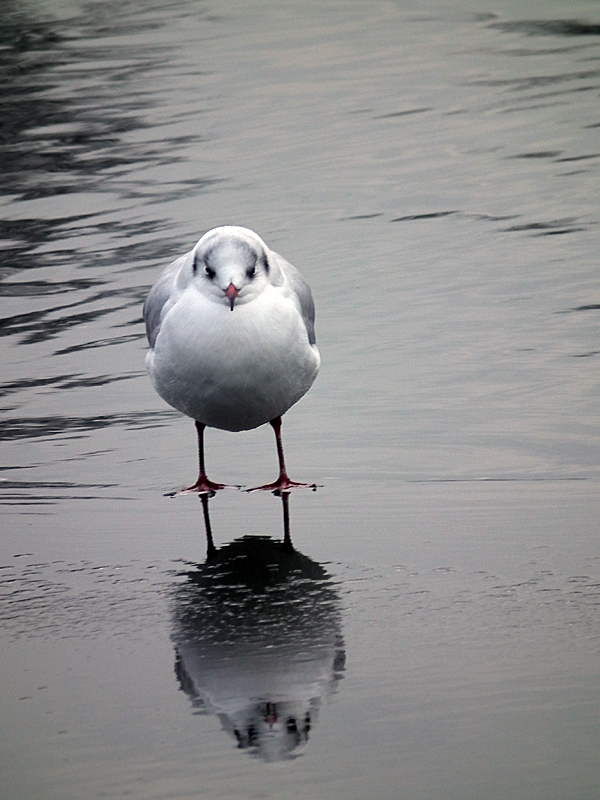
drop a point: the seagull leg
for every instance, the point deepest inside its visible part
(203, 485)
(283, 483)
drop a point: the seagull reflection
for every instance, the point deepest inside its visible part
(258, 643)
(211, 550)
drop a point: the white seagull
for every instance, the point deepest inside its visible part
(232, 339)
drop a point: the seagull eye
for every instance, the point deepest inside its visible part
(251, 272)
(210, 273)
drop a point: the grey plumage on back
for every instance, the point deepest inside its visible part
(300, 287)
(161, 295)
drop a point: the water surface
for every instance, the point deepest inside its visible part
(434, 173)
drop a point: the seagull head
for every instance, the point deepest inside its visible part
(231, 265)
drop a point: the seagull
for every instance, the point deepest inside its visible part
(231, 327)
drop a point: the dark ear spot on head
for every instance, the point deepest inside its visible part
(265, 262)
(251, 269)
(195, 264)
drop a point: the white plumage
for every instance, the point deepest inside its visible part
(232, 342)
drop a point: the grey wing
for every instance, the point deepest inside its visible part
(300, 287)
(162, 294)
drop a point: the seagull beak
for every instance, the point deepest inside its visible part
(231, 293)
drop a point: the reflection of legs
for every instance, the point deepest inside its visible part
(287, 539)
(211, 550)
(203, 485)
(283, 483)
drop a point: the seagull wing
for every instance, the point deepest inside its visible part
(161, 298)
(299, 286)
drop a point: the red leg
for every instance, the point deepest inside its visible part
(283, 483)
(203, 485)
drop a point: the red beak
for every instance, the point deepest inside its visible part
(231, 293)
